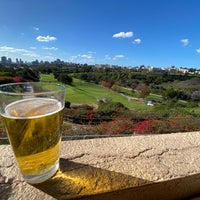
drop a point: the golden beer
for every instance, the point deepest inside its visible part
(34, 130)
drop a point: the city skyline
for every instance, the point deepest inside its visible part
(156, 33)
(7, 61)
(182, 70)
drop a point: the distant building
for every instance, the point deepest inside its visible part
(57, 61)
(104, 66)
(3, 60)
(21, 61)
(183, 70)
(172, 69)
(9, 61)
(35, 62)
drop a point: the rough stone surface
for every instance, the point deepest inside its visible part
(114, 167)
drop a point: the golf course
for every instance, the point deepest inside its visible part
(81, 92)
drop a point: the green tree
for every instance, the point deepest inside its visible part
(64, 78)
(175, 94)
(28, 74)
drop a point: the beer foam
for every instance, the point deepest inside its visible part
(33, 107)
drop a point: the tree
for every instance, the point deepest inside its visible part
(64, 78)
(107, 84)
(28, 74)
(175, 94)
(143, 90)
(195, 96)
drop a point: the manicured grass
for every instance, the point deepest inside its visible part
(129, 92)
(82, 92)
(87, 93)
(155, 96)
(47, 78)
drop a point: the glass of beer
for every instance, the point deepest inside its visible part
(32, 113)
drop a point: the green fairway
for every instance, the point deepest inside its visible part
(87, 93)
(47, 78)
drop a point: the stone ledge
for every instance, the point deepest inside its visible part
(139, 167)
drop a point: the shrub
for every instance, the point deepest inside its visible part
(150, 126)
(7, 79)
(64, 78)
(107, 84)
(178, 124)
(79, 110)
(110, 108)
(81, 114)
(170, 109)
(117, 126)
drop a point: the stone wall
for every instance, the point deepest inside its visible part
(138, 167)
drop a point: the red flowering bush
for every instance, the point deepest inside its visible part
(18, 79)
(143, 127)
(183, 124)
(117, 126)
(151, 126)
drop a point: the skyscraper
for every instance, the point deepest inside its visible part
(3, 60)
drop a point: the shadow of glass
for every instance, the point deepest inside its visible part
(75, 180)
(5, 187)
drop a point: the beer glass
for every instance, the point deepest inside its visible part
(32, 113)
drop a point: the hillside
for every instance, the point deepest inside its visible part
(82, 92)
(188, 85)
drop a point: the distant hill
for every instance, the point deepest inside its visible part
(187, 85)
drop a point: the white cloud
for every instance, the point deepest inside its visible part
(33, 48)
(92, 52)
(73, 58)
(83, 58)
(36, 28)
(49, 57)
(185, 42)
(88, 56)
(123, 35)
(198, 50)
(118, 57)
(50, 48)
(46, 38)
(12, 49)
(137, 41)
(107, 57)
(31, 54)
(17, 52)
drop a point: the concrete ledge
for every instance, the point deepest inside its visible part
(138, 167)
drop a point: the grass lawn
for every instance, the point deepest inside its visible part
(47, 78)
(155, 96)
(88, 93)
(196, 111)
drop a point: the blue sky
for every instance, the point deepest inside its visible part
(159, 33)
